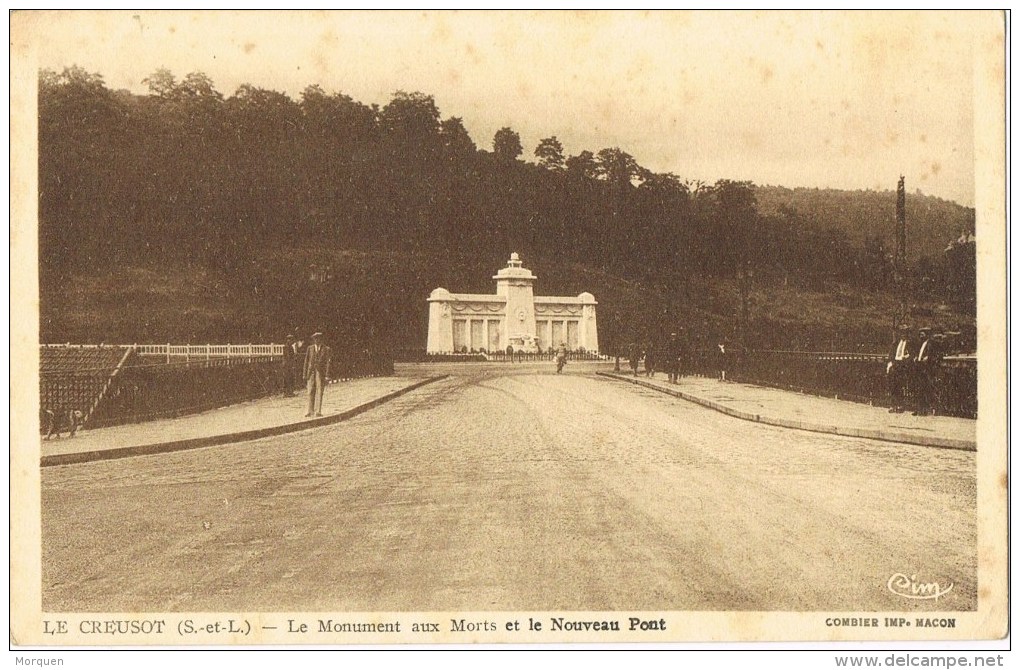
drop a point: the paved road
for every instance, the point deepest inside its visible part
(530, 491)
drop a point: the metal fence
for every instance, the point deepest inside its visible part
(419, 356)
(522, 357)
(143, 392)
(207, 352)
(848, 376)
(157, 381)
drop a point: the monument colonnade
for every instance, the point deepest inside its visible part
(513, 316)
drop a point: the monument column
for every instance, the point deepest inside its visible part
(440, 322)
(587, 329)
(516, 284)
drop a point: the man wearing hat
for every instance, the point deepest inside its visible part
(674, 351)
(926, 365)
(317, 360)
(898, 368)
(289, 376)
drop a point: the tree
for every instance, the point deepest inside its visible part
(618, 167)
(550, 154)
(737, 221)
(875, 265)
(198, 86)
(506, 145)
(161, 83)
(583, 165)
(456, 140)
(411, 117)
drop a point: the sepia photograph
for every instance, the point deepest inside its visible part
(515, 327)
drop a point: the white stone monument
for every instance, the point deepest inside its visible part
(514, 316)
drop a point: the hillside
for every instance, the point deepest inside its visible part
(188, 215)
(379, 297)
(931, 222)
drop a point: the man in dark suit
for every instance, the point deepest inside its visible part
(926, 365)
(288, 366)
(316, 372)
(899, 367)
(672, 355)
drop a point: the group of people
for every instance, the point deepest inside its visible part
(675, 357)
(313, 373)
(913, 369)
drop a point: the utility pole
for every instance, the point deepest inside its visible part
(900, 265)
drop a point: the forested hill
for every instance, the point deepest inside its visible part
(931, 221)
(186, 176)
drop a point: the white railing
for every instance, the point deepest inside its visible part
(189, 352)
(199, 352)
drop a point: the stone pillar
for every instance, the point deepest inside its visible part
(440, 338)
(588, 331)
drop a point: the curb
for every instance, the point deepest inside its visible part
(885, 436)
(228, 438)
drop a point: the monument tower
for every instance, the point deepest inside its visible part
(516, 284)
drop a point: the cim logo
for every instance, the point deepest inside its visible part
(911, 587)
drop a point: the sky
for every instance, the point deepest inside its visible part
(814, 99)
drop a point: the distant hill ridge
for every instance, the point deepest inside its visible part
(931, 221)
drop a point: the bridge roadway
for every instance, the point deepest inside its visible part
(489, 491)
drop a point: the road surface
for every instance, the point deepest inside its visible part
(520, 492)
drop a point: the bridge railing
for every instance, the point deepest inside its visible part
(209, 351)
(860, 377)
(173, 380)
(419, 356)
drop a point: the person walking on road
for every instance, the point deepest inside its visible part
(561, 357)
(316, 373)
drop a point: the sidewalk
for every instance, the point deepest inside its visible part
(789, 409)
(244, 421)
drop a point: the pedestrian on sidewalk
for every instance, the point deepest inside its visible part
(650, 355)
(316, 373)
(682, 354)
(300, 349)
(722, 358)
(898, 369)
(672, 357)
(635, 357)
(288, 366)
(925, 368)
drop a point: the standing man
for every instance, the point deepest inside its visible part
(672, 357)
(634, 356)
(682, 354)
(288, 366)
(650, 354)
(897, 370)
(722, 358)
(926, 365)
(316, 372)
